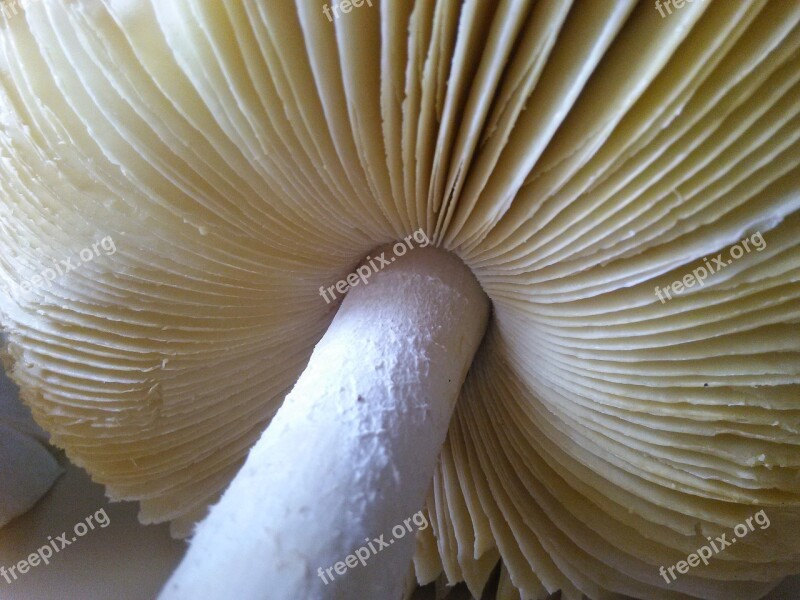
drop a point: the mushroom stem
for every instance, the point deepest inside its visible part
(349, 457)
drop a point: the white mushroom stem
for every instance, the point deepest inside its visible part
(351, 453)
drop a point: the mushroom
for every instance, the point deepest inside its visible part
(565, 160)
(27, 469)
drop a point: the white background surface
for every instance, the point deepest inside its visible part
(124, 561)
